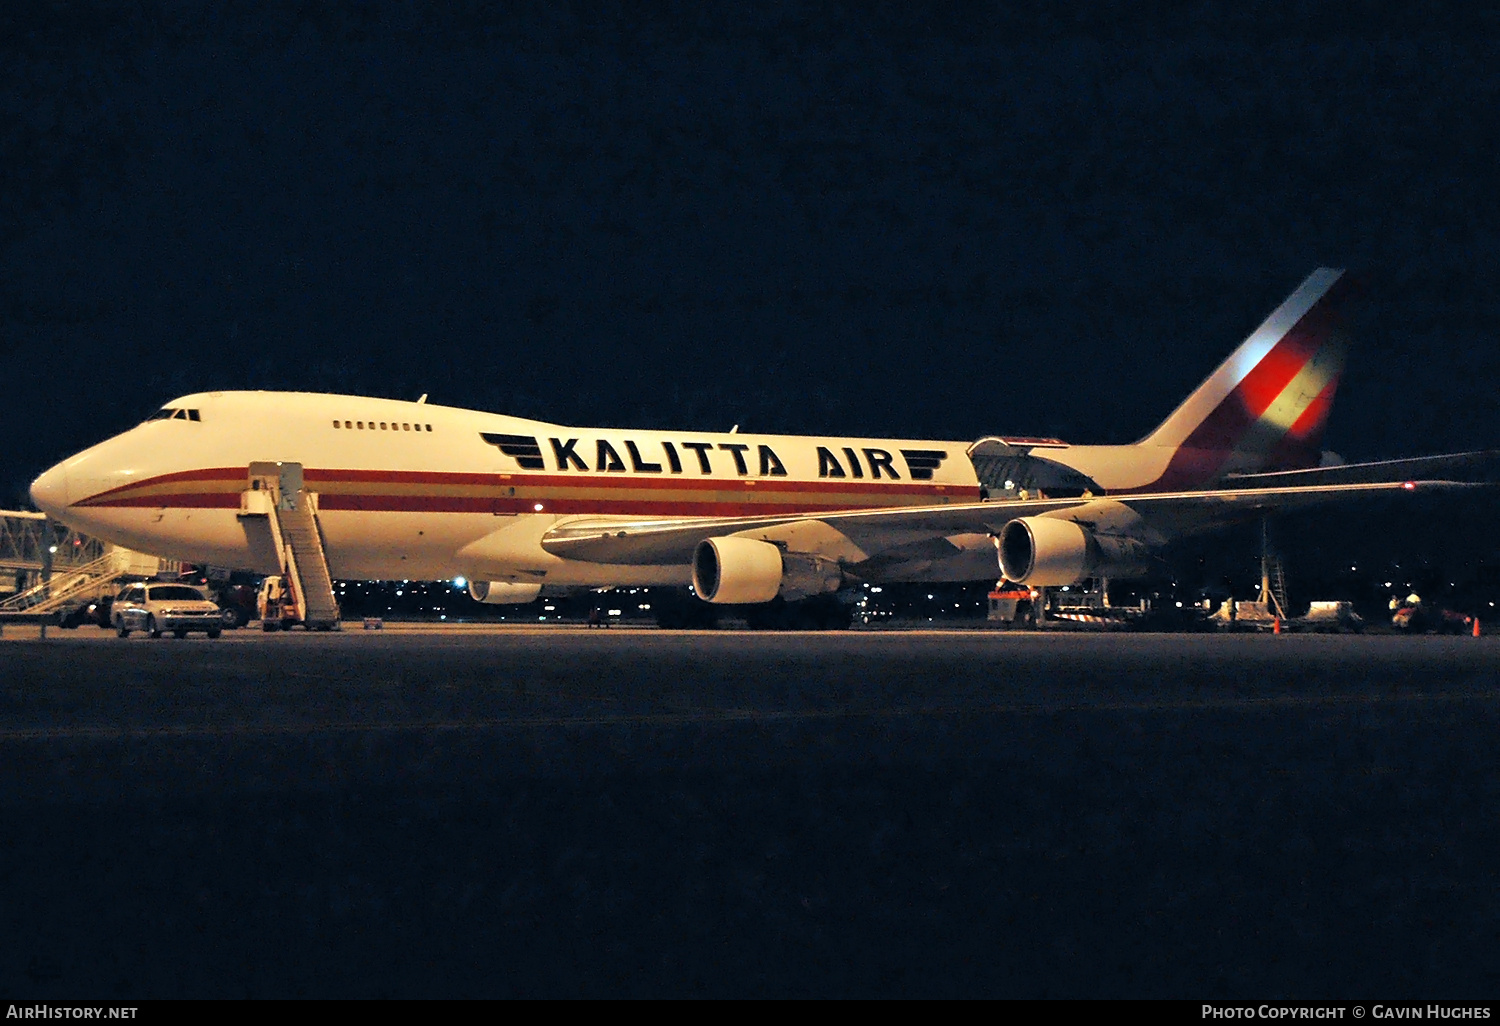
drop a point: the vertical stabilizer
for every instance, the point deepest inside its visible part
(1264, 409)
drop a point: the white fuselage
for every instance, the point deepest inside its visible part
(416, 491)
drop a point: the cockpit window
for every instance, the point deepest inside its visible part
(173, 413)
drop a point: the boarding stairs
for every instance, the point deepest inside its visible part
(277, 493)
(69, 587)
(65, 588)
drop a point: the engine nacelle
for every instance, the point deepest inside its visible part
(1044, 552)
(734, 571)
(503, 593)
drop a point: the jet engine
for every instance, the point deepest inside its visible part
(731, 571)
(503, 593)
(1044, 552)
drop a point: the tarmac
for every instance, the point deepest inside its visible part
(514, 811)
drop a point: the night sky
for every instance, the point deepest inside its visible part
(942, 222)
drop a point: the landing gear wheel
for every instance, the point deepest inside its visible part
(677, 610)
(213, 632)
(152, 630)
(820, 613)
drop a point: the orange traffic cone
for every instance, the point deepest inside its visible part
(1276, 626)
(1476, 626)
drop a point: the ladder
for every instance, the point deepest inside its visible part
(276, 493)
(1272, 577)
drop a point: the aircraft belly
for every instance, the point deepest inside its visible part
(601, 575)
(513, 552)
(400, 545)
(212, 536)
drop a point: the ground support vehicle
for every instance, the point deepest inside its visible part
(155, 608)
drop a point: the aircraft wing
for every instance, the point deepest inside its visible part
(856, 535)
(1485, 460)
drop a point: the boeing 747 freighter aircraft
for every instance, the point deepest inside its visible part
(408, 490)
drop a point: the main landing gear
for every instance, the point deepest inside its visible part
(684, 611)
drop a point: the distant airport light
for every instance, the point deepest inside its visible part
(1410, 486)
(460, 582)
(52, 548)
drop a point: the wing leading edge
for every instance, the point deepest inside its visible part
(865, 533)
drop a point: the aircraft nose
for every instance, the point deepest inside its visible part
(50, 491)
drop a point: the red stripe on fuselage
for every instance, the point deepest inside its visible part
(170, 500)
(205, 474)
(627, 480)
(799, 496)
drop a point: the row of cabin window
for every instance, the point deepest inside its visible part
(359, 425)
